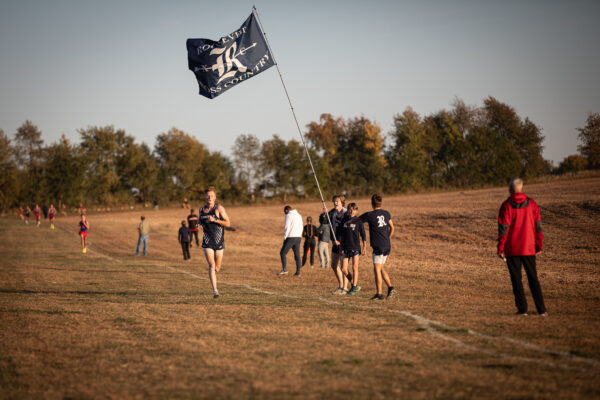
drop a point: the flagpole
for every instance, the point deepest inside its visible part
(255, 11)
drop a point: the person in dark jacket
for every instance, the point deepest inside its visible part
(520, 238)
(309, 232)
(336, 214)
(184, 237)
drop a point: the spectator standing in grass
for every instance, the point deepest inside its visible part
(336, 215)
(324, 237)
(520, 238)
(309, 232)
(352, 240)
(193, 226)
(292, 236)
(184, 239)
(143, 231)
(214, 220)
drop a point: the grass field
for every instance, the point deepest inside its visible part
(110, 325)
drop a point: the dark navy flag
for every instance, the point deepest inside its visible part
(221, 65)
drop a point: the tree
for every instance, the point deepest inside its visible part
(285, 168)
(182, 157)
(572, 163)
(28, 153)
(101, 149)
(361, 155)
(9, 183)
(63, 172)
(28, 145)
(246, 159)
(323, 139)
(590, 138)
(407, 156)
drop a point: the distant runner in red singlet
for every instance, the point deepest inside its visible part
(84, 226)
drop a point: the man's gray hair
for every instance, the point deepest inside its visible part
(515, 183)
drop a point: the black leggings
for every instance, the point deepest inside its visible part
(185, 248)
(309, 244)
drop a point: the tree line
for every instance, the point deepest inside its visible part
(464, 146)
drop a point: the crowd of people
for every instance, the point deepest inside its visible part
(520, 239)
(344, 227)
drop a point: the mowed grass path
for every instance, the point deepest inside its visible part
(110, 325)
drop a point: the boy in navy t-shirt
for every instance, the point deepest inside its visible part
(352, 242)
(381, 229)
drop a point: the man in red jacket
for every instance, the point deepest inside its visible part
(520, 238)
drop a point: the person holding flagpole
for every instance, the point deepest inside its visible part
(214, 220)
(336, 214)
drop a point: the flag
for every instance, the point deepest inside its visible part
(234, 58)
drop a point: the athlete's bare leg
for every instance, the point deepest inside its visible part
(335, 261)
(214, 259)
(386, 277)
(378, 278)
(355, 270)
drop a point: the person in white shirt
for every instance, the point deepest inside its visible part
(292, 236)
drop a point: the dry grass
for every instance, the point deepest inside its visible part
(108, 324)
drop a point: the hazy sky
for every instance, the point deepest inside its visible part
(66, 65)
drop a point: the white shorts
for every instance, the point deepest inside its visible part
(379, 259)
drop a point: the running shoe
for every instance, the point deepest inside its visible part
(352, 291)
(84, 250)
(544, 314)
(391, 292)
(520, 313)
(339, 291)
(282, 273)
(378, 297)
(215, 295)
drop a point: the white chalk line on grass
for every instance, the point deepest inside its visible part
(425, 323)
(430, 326)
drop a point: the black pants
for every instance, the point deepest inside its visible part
(309, 244)
(514, 268)
(192, 235)
(185, 248)
(294, 244)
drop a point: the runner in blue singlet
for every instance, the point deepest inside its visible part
(214, 220)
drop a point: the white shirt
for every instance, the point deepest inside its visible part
(293, 225)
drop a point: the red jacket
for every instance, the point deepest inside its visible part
(519, 227)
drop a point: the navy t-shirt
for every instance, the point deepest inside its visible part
(379, 221)
(350, 236)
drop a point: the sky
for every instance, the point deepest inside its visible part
(70, 64)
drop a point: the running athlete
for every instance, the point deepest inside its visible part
(193, 227)
(27, 212)
(214, 219)
(36, 212)
(51, 214)
(352, 240)
(21, 211)
(84, 226)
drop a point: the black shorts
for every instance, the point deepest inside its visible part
(351, 253)
(335, 249)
